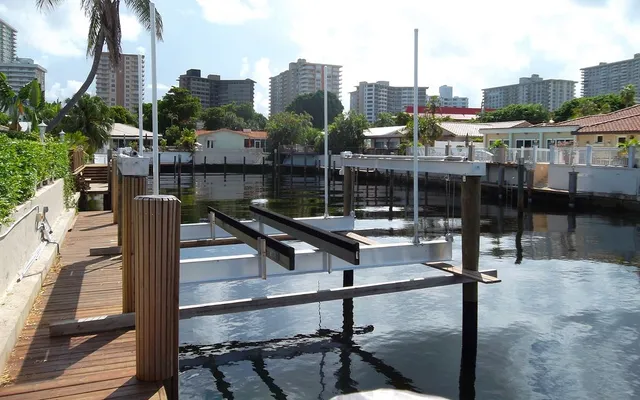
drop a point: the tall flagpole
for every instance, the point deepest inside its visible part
(416, 110)
(326, 147)
(154, 101)
(140, 93)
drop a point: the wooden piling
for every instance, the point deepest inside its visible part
(204, 167)
(521, 184)
(501, 170)
(573, 188)
(225, 166)
(114, 189)
(119, 207)
(132, 186)
(347, 187)
(157, 258)
(244, 166)
(530, 175)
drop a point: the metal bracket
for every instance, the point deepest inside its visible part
(262, 258)
(212, 222)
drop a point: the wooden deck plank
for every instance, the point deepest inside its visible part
(82, 367)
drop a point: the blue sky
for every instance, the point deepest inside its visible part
(463, 43)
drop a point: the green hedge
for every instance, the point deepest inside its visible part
(23, 165)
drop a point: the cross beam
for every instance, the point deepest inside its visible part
(332, 243)
(282, 254)
(430, 164)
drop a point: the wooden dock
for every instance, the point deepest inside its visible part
(78, 367)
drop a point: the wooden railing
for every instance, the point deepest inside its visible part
(76, 159)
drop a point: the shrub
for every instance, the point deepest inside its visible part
(25, 164)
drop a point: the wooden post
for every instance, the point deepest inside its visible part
(119, 221)
(204, 167)
(134, 183)
(291, 165)
(347, 187)
(157, 259)
(530, 175)
(501, 169)
(225, 167)
(426, 191)
(244, 163)
(114, 189)
(573, 188)
(263, 167)
(520, 184)
(175, 167)
(193, 166)
(470, 203)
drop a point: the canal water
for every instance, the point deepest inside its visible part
(564, 323)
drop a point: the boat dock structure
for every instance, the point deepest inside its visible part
(106, 322)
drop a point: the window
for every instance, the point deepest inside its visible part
(599, 139)
(210, 144)
(524, 143)
(247, 143)
(622, 139)
(257, 144)
(552, 142)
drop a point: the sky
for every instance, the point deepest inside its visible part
(467, 44)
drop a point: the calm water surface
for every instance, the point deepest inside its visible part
(563, 324)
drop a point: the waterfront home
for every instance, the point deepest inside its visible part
(604, 130)
(386, 137)
(451, 113)
(237, 146)
(459, 131)
(122, 135)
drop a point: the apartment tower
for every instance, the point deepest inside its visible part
(214, 92)
(120, 86)
(550, 93)
(302, 77)
(371, 99)
(7, 42)
(606, 78)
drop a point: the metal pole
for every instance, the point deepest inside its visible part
(416, 194)
(326, 147)
(140, 92)
(154, 100)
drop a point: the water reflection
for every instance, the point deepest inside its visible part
(562, 324)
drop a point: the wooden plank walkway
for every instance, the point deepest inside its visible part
(80, 367)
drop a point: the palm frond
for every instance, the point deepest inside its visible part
(48, 4)
(141, 9)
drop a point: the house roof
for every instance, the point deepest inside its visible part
(450, 110)
(385, 131)
(119, 130)
(622, 121)
(246, 133)
(473, 129)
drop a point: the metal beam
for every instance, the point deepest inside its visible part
(337, 245)
(435, 164)
(202, 230)
(282, 254)
(228, 268)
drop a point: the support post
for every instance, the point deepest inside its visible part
(535, 154)
(631, 156)
(573, 188)
(501, 170)
(114, 189)
(134, 172)
(193, 166)
(204, 167)
(552, 154)
(520, 184)
(225, 166)
(244, 171)
(157, 258)
(470, 203)
(589, 156)
(530, 175)
(347, 184)
(119, 208)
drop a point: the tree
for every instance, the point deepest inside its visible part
(91, 116)
(429, 129)
(181, 107)
(313, 104)
(25, 102)
(172, 135)
(188, 139)
(104, 28)
(346, 133)
(385, 119)
(121, 115)
(287, 128)
(532, 113)
(4, 119)
(403, 118)
(584, 106)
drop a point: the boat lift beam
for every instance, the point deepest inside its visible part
(336, 245)
(280, 253)
(239, 267)
(431, 164)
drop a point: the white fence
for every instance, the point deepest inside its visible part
(598, 156)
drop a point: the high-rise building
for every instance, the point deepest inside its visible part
(21, 71)
(214, 92)
(120, 86)
(550, 93)
(606, 78)
(447, 99)
(7, 42)
(371, 99)
(302, 77)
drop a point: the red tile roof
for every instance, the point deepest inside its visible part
(250, 134)
(626, 120)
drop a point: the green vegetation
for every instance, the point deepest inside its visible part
(313, 104)
(498, 144)
(385, 119)
(287, 128)
(91, 116)
(184, 138)
(26, 102)
(346, 133)
(606, 103)
(27, 163)
(233, 116)
(429, 129)
(121, 115)
(178, 107)
(532, 113)
(104, 28)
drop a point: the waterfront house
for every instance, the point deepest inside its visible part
(451, 113)
(238, 146)
(459, 131)
(386, 137)
(122, 135)
(605, 130)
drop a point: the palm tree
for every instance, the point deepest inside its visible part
(27, 101)
(628, 95)
(90, 116)
(104, 27)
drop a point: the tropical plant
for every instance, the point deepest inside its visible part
(286, 128)
(90, 116)
(76, 139)
(313, 104)
(347, 132)
(4, 119)
(624, 147)
(104, 28)
(188, 139)
(385, 119)
(532, 113)
(498, 144)
(121, 115)
(26, 102)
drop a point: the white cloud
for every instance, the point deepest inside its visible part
(467, 44)
(244, 69)
(162, 90)
(261, 74)
(140, 50)
(130, 27)
(161, 86)
(234, 12)
(57, 92)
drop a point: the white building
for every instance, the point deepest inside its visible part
(302, 77)
(550, 93)
(606, 78)
(120, 86)
(7, 42)
(447, 99)
(22, 71)
(371, 99)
